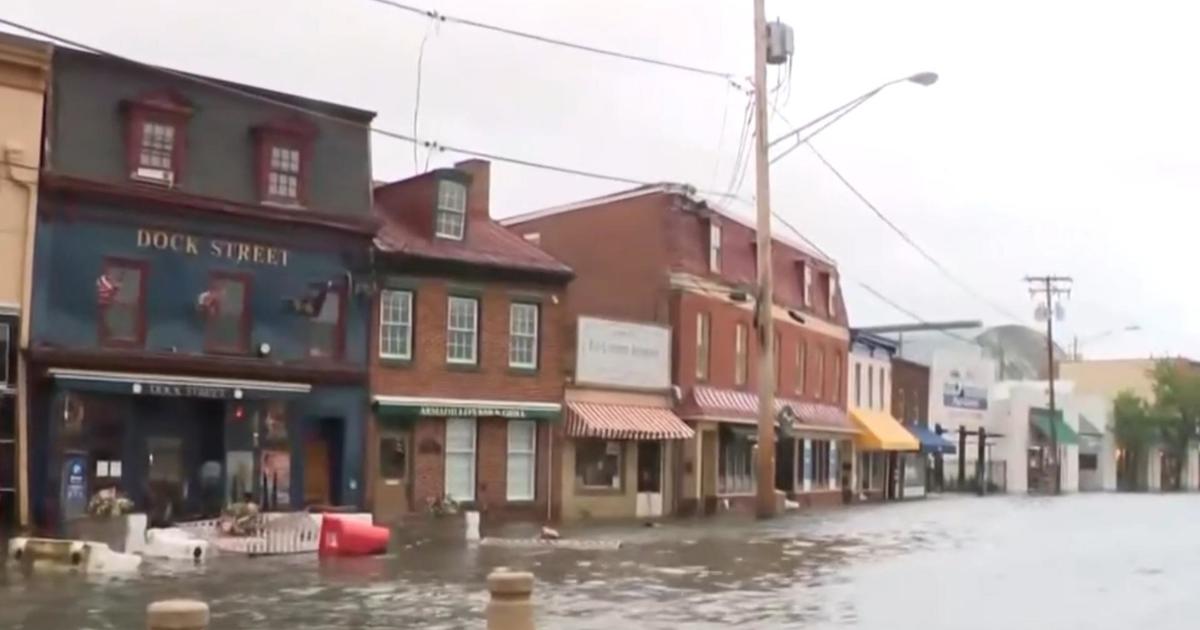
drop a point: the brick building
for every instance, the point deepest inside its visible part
(658, 254)
(910, 405)
(466, 354)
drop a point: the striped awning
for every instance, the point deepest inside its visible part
(728, 405)
(624, 422)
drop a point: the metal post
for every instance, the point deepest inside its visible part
(981, 462)
(510, 606)
(766, 505)
(177, 614)
(962, 458)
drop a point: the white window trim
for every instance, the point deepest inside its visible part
(473, 452)
(408, 324)
(741, 354)
(474, 331)
(714, 246)
(512, 334)
(807, 285)
(439, 208)
(531, 453)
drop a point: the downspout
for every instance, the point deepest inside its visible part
(28, 178)
(549, 473)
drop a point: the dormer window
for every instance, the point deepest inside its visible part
(451, 210)
(284, 156)
(155, 137)
(283, 175)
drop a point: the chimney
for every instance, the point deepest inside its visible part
(478, 205)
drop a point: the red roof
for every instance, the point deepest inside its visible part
(485, 243)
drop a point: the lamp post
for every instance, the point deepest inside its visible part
(924, 79)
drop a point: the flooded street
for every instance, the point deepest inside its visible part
(1092, 561)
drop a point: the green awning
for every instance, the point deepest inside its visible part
(1039, 418)
(405, 407)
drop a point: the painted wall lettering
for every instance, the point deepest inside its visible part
(237, 251)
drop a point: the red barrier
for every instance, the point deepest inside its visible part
(348, 537)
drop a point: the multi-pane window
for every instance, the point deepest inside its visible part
(820, 464)
(819, 382)
(857, 384)
(120, 289)
(460, 459)
(714, 246)
(838, 378)
(870, 386)
(395, 324)
(735, 463)
(451, 210)
(228, 327)
(801, 365)
(283, 174)
(324, 338)
(522, 460)
(158, 146)
(882, 389)
(703, 334)
(741, 366)
(522, 335)
(462, 328)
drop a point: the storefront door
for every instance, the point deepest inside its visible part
(393, 480)
(649, 465)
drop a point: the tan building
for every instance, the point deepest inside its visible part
(24, 70)
(1108, 378)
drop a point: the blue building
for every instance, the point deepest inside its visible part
(198, 328)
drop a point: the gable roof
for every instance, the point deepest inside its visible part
(485, 244)
(669, 188)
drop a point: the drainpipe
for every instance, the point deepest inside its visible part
(14, 157)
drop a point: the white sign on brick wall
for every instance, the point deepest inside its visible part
(622, 354)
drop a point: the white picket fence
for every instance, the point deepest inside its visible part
(276, 533)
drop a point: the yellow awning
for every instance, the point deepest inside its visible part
(882, 432)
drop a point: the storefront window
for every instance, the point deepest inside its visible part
(736, 463)
(821, 464)
(598, 464)
(460, 459)
(324, 329)
(275, 422)
(522, 459)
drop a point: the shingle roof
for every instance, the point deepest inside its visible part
(485, 243)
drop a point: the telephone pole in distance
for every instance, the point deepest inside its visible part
(1050, 287)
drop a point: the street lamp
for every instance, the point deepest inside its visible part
(924, 79)
(1098, 336)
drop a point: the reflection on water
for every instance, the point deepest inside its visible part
(1087, 561)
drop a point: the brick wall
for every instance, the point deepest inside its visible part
(724, 317)
(910, 391)
(428, 374)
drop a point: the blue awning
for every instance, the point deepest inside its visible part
(930, 441)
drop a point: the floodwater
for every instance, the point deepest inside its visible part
(1098, 562)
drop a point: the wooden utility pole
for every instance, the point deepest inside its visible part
(765, 473)
(1050, 287)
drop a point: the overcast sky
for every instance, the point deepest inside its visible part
(1061, 137)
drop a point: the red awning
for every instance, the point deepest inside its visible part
(728, 405)
(624, 422)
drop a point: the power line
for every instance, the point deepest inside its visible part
(908, 239)
(430, 13)
(432, 145)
